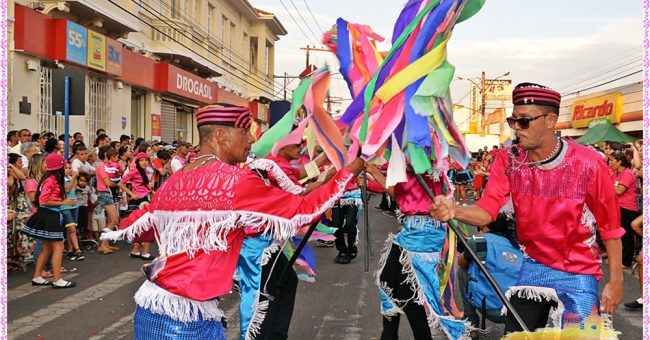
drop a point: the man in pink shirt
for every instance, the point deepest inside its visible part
(561, 192)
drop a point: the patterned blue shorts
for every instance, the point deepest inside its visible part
(149, 326)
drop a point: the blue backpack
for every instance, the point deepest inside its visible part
(503, 261)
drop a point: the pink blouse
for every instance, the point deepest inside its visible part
(627, 199)
(137, 183)
(411, 198)
(50, 191)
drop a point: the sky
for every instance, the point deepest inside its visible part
(569, 45)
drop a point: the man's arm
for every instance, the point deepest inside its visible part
(613, 291)
(600, 199)
(486, 209)
(443, 209)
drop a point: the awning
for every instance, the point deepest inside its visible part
(200, 67)
(114, 20)
(604, 133)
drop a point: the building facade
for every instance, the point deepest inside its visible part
(136, 67)
(621, 106)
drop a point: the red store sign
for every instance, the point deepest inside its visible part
(172, 79)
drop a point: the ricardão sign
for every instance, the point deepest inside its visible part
(606, 107)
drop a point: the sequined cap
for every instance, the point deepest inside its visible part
(531, 93)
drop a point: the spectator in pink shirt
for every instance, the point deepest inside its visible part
(141, 186)
(625, 185)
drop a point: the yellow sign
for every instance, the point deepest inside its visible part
(96, 50)
(474, 107)
(608, 106)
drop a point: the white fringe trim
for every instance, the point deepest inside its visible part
(280, 177)
(432, 318)
(259, 314)
(160, 301)
(411, 278)
(191, 231)
(538, 294)
(142, 224)
(588, 220)
(351, 201)
(268, 252)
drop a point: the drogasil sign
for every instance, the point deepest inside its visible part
(186, 84)
(172, 79)
(609, 106)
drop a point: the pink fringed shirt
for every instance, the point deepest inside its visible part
(199, 219)
(558, 209)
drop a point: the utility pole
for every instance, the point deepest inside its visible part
(313, 48)
(483, 118)
(285, 86)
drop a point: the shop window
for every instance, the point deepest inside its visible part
(99, 110)
(46, 118)
(137, 114)
(181, 128)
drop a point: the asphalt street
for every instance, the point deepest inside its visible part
(343, 303)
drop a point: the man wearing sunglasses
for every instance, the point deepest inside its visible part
(562, 194)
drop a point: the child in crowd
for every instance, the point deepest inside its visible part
(70, 214)
(98, 217)
(83, 193)
(114, 171)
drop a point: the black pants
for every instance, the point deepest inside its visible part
(629, 238)
(344, 218)
(278, 316)
(533, 313)
(82, 220)
(393, 277)
(387, 203)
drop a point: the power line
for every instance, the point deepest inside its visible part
(625, 54)
(296, 22)
(312, 15)
(602, 78)
(601, 73)
(179, 29)
(601, 84)
(305, 21)
(180, 43)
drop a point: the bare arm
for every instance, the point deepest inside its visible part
(443, 209)
(637, 225)
(380, 178)
(636, 160)
(319, 160)
(17, 173)
(613, 290)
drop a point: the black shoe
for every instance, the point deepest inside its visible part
(67, 284)
(634, 305)
(345, 259)
(338, 258)
(353, 256)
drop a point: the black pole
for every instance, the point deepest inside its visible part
(366, 224)
(285, 271)
(481, 266)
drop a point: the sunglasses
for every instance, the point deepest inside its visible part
(523, 123)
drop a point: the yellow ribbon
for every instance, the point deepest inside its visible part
(414, 71)
(451, 252)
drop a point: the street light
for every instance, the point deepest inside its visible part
(481, 88)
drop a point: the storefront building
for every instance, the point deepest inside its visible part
(621, 106)
(112, 85)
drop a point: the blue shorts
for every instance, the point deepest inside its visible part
(105, 198)
(70, 217)
(150, 325)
